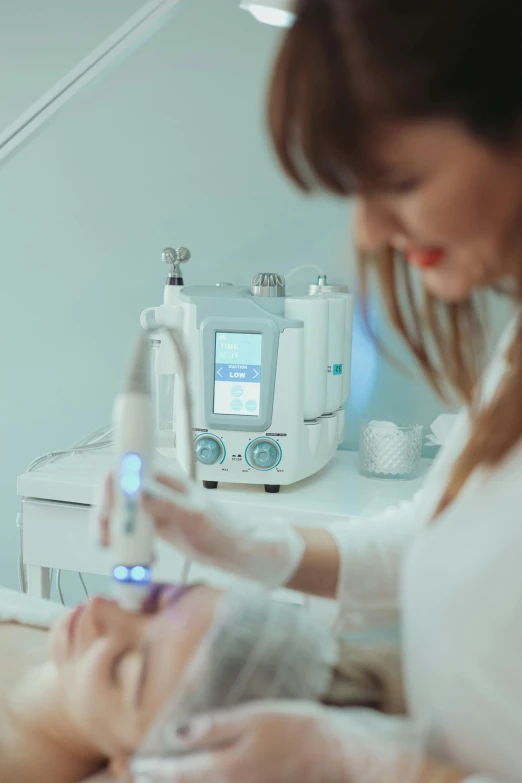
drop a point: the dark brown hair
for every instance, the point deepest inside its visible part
(347, 66)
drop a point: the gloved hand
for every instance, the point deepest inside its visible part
(267, 550)
(289, 742)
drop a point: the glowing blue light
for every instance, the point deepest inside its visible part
(131, 463)
(130, 484)
(137, 574)
(130, 474)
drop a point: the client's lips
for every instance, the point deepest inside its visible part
(425, 258)
(162, 595)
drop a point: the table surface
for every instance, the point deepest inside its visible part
(336, 490)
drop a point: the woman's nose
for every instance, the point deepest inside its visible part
(374, 225)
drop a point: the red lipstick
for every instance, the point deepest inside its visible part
(425, 259)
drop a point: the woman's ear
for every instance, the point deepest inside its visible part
(119, 769)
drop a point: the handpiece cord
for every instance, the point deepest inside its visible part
(189, 419)
(184, 366)
(303, 268)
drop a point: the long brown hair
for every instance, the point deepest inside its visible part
(347, 65)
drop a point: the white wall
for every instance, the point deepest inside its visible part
(169, 149)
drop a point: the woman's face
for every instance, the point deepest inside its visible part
(115, 670)
(450, 204)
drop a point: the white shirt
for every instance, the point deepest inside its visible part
(457, 584)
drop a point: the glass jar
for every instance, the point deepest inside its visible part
(390, 451)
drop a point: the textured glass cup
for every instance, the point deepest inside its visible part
(389, 451)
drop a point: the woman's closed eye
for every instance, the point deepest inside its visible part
(402, 186)
(390, 181)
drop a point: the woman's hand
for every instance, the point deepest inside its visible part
(290, 742)
(268, 551)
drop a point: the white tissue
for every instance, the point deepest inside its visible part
(441, 429)
(385, 427)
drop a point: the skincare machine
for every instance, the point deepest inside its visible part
(269, 375)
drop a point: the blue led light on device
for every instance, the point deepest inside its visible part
(130, 474)
(137, 575)
(140, 573)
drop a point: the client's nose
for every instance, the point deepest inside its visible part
(108, 618)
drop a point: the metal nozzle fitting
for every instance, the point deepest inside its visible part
(268, 284)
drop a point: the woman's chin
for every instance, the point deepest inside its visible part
(446, 286)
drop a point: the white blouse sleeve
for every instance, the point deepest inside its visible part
(371, 552)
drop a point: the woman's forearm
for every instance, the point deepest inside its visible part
(318, 572)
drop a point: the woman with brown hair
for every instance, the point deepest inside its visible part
(414, 109)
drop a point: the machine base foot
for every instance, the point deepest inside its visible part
(272, 489)
(210, 484)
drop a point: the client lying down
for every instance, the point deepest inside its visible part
(114, 684)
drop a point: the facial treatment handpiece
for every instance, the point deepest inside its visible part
(132, 534)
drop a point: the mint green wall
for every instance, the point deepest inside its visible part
(41, 40)
(169, 149)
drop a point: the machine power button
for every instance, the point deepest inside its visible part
(208, 450)
(264, 454)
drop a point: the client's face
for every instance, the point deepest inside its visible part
(116, 670)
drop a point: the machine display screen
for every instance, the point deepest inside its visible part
(237, 374)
